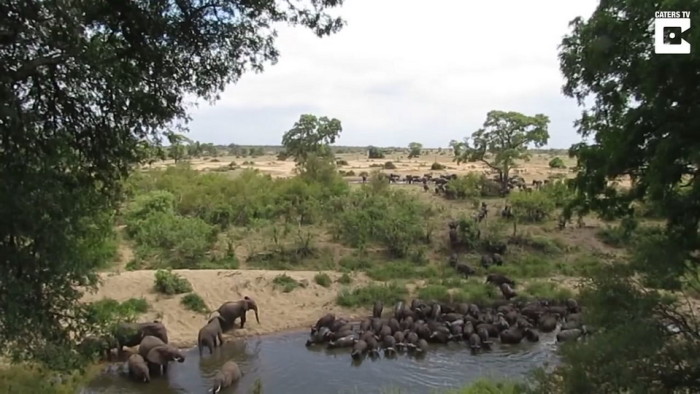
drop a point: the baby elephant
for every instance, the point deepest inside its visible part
(138, 369)
(229, 374)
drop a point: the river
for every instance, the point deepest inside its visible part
(285, 366)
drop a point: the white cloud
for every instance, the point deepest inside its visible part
(402, 71)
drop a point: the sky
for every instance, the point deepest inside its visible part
(405, 70)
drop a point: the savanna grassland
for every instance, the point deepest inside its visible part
(233, 226)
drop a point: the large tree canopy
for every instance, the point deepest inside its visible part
(311, 135)
(643, 124)
(84, 85)
(504, 139)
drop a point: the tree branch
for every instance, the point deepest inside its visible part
(31, 67)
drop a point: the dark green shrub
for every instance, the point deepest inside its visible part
(345, 279)
(437, 166)
(466, 187)
(557, 162)
(322, 279)
(194, 302)
(547, 290)
(341, 162)
(168, 282)
(375, 153)
(107, 311)
(389, 166)
(534, 206)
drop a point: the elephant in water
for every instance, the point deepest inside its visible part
(210, 336)
(229, 374)
(158, 353)
(232, 310)
(138, 369)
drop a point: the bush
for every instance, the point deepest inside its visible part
(24, 378)
(534, 206)
(389, 166)
(559, 191)
(437, 167)
(356, 262)
(107, 311)
(389, 294)
(477, 292)
(287, 283)
(322, 279)
(557, 162)
(465, 187)
(526, 266)
(341, 162)
(345, 279)
(173, 241)
(375, 153)
(170, 283)
(392, 218)
(194, 302)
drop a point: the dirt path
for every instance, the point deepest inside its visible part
(279, 311)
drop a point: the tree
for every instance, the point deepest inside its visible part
(311, 136)
(503, 140)
(414, 149)
(557, 162)
(642, 125)
(84, 85)
(375, 153)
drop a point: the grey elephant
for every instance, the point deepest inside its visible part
(229, 374)
(232, 310)
(158, 353)
(131, 334)
(138, 369)
(211, 335)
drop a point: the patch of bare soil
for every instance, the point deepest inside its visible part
(279, 311)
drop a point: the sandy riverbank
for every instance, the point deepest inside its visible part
(279, 311)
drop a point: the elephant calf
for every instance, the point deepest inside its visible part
(229, 374)
(211, 335)
(158, 353)
(138, 369)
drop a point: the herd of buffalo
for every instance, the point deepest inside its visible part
(410, 328)
(155, 352)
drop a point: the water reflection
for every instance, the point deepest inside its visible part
(286, 366)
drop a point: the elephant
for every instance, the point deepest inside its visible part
(158, 353)
(326, 320)
(377, 310)
(138, 369)
(211, 335)
(229, 374)
(131, 334)
(507, 291)
(232, 310)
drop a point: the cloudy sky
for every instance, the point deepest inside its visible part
(407, 70)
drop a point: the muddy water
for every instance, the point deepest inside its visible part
(285, 366)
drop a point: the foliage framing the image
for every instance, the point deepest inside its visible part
(643, 126)
(85, 86)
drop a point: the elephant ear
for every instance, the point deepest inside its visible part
(156, 355)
